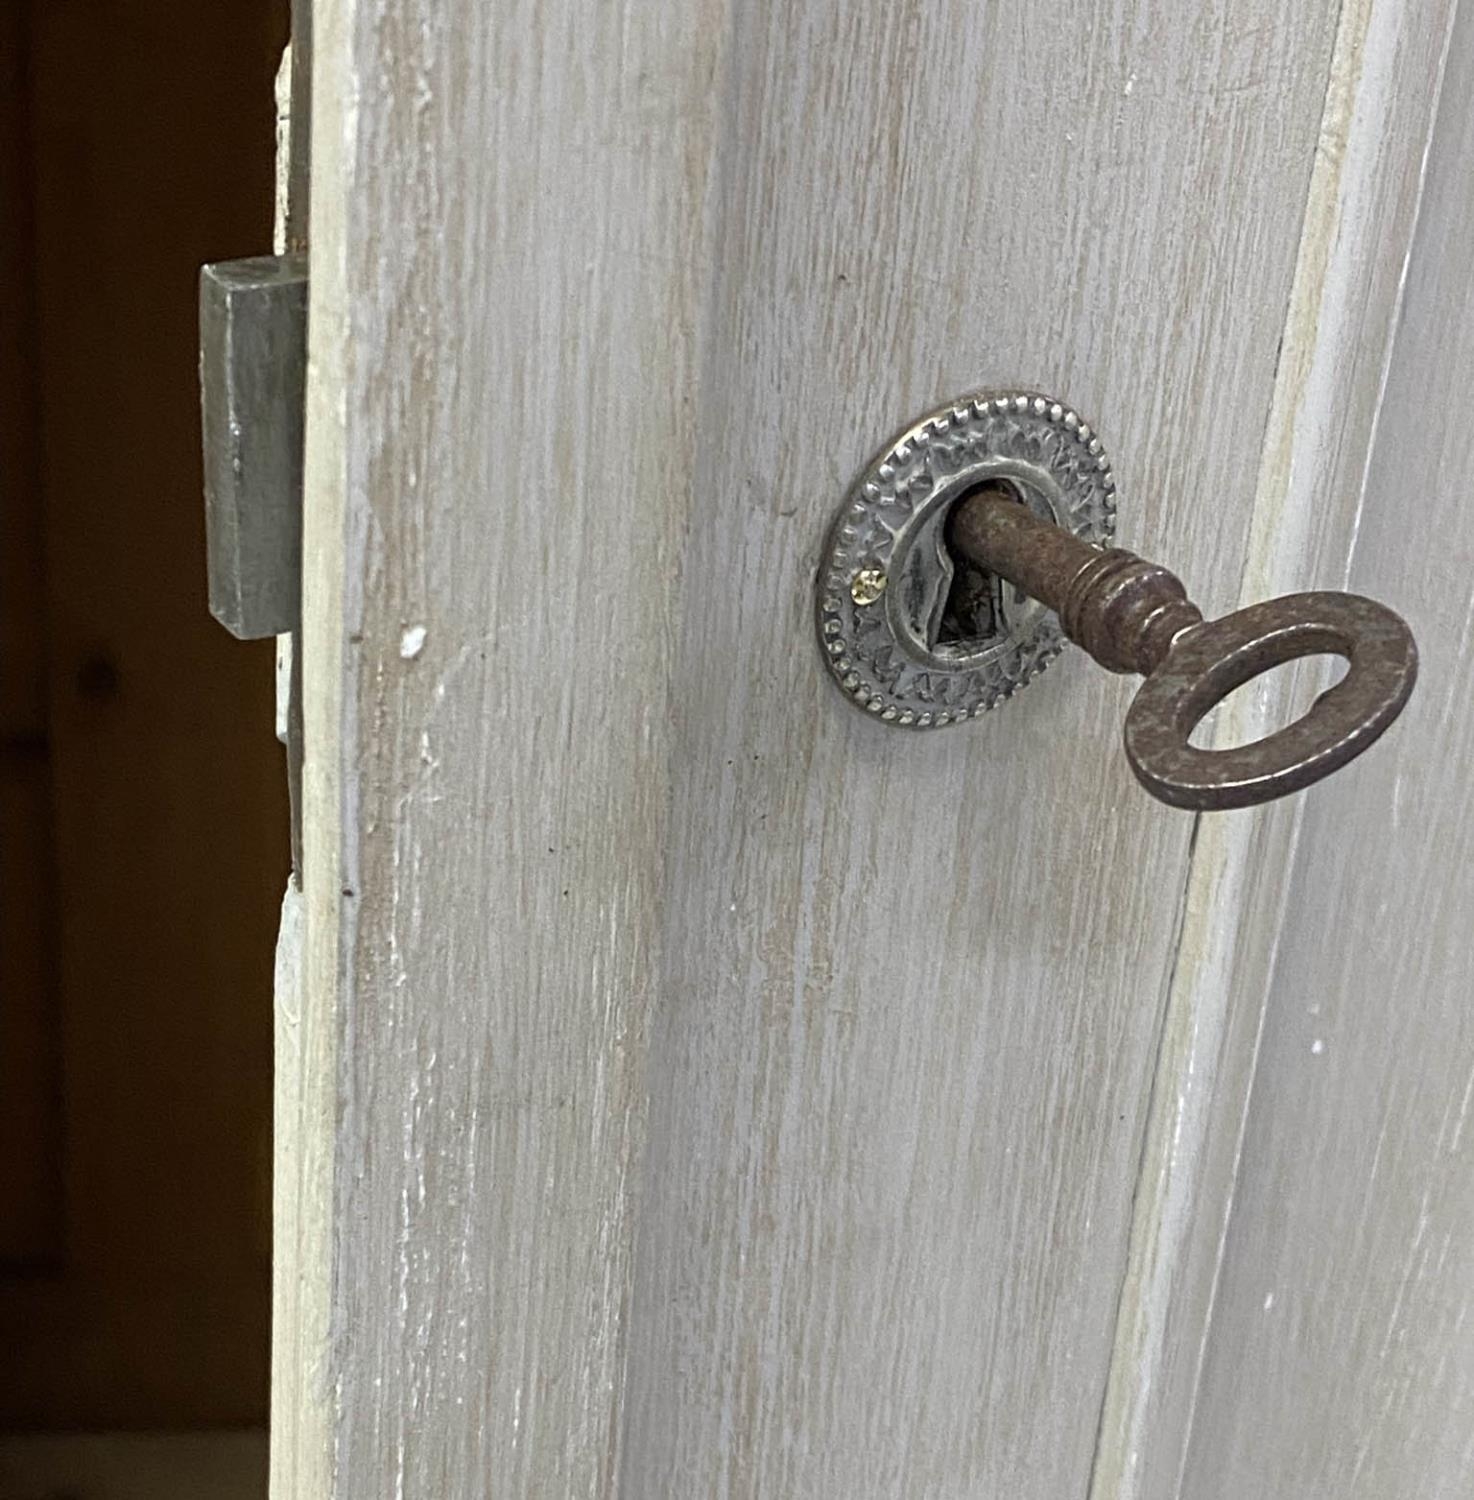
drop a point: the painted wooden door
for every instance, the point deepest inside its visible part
(691, 1087)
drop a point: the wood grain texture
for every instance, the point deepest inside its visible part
(706, 1090)
(508, 269)
(1380, 107)
(912, 989)
(302, 1143)
(1339, 1362)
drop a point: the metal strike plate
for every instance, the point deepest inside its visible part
(909, 635)
(253, 362)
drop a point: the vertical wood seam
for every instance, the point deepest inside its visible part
(1294, 861)
(1283, 546)
(1153, 1086)
(1293, 858)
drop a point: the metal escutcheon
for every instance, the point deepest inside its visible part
(906, 637)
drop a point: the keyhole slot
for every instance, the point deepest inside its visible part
(944, 611)
(974, 611)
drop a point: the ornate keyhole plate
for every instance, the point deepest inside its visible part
(905, 638)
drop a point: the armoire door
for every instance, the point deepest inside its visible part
(690, 1086)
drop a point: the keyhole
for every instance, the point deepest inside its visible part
(973, 612)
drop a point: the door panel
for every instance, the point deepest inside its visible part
(702, 1088)
(1339, 1362)
(1312, 494)
(912, 986)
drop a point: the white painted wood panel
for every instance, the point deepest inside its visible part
(1380, 105)
(913, 988)
(702, 1089)
(509, 266)
(1339, 1362)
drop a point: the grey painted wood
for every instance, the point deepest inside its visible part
(913, 990)
(509, 218)
(1377, 122)
(1339, 1362)
(695, 1087)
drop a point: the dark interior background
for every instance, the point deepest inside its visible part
(143, 817)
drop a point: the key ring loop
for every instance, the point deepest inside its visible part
(1208, 661)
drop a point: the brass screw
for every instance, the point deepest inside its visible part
(867, 585)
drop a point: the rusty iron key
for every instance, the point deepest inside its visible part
(1134, 616)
